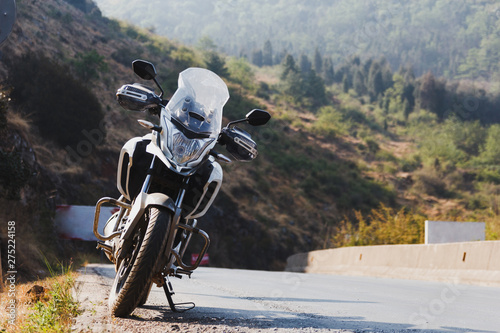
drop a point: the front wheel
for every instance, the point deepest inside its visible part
(142, 262)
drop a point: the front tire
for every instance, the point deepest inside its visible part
(145, 295)
(144, 260)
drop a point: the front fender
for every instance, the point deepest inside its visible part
(141, 202)
(159, 199)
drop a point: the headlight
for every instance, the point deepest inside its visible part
(185, 150)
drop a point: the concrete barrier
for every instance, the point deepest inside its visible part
(468, 262)
(452, 232)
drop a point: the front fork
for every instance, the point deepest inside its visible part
(174, 264)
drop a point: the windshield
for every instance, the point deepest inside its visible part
(196, 106)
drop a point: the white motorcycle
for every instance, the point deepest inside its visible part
(168, 179)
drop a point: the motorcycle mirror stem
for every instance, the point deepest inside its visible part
(146, 71)
(256, 117)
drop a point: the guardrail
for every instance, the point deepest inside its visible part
(469, 262)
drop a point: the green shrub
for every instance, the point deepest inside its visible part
(241, 72)
(384, 155)
(14, 174)
(89, 65)
(491, 150)
(383, 225)
(476, 202)
(430, 182)
(438, 142)
(372, 145)
(411, 164)
(126, 55)
(184, 57)
(330, 122)
(489, 175)
(62, 107)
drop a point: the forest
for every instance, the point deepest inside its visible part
(455, 39)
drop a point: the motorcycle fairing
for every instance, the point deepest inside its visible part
(128, 166)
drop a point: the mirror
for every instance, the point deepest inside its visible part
(258, 117)
(144, 69)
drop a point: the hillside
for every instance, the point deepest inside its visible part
(448, 37)
(370, 145)
(60, 53)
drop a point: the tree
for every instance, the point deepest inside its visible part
(293, 86)
(314, 88)
(216, 63)
(431, 94)
(89, 65)
(356, 60)
(289, 66)
(267, 54)
(257, 59)
(467, 136)
(318, 62)
(408, 92)
(305, 64)
(491, 151)
(291, 78)
(345, 84)
(328, 72)
(358, 83)
(406, 109)
(279, 57)
(206, 44)
(375, 81)
(387, 74)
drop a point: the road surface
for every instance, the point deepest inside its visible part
(255, 301)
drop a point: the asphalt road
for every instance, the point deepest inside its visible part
(255, 301)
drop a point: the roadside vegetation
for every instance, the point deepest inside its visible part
(46, 305)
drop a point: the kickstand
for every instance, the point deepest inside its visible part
(169, 291)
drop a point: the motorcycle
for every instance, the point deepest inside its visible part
(167, 180)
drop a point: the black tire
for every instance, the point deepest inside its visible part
(135, 272)
(145, 295)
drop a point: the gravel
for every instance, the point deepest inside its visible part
(92, 289)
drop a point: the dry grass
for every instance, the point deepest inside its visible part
(51, 309)
(493, 228)
(18, 122)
